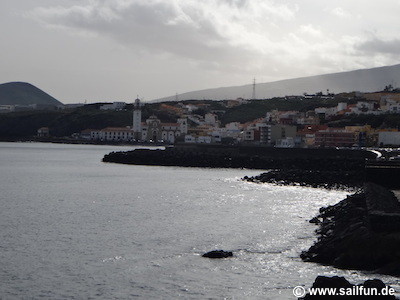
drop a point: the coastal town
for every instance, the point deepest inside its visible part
(227, 149)
(197, 123)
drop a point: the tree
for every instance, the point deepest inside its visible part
(388, 88)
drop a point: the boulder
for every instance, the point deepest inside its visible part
(360, 232)
(218, 254)
(315, 220)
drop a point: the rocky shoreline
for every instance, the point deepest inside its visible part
(360, 232)
(328, 179)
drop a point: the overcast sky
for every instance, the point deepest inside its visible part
(113, 50)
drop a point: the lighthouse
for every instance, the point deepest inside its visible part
(137, 120)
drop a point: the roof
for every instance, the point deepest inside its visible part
(334, 130)
(254, 122)
(311, 129)
(89, 130)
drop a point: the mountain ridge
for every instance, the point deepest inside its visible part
(364, 80)
(23, 93)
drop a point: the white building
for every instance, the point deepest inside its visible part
(190, 138)
(285, 143)
(115, 134)
(153, 130)
(231, 130)
(365, 105)
(392, 107)
(389, 138)
(320, 110)
(326, 112)
(183, 125)
(211, 119)
(191, 108)
(196, 119)
(233, 126)
(204, 139)
(341, 106)
(216, 136)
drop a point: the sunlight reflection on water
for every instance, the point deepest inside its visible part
(76, 227)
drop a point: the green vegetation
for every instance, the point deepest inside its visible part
(61, 123)
(376, 121)
(258, 108)
(66, 122)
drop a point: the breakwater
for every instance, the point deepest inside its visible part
(385, 173)
(360, 232)
(329, 168)
(329, 179)
(216, 156)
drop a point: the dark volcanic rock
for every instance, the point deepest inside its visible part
(322, 178)
(315, 220)
(360, 232)
(218, 254)
(349, 291)
(245, 157)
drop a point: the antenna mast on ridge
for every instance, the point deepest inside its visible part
(253, 96)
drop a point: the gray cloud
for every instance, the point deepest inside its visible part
(379, 46)
(185, 44)
(212, 32)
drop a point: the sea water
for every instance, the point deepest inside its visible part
(73, 227)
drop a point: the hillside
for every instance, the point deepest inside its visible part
(68, 121)
(365, 80)
(65, 122)
(22, 93)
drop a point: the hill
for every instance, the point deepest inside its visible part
(365, 80)
(68, 121)
(65, 122)
(22, 93)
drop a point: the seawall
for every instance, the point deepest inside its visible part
(385, 173)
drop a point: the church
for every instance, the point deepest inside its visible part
(152, 130)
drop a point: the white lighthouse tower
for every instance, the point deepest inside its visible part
(137, 119)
